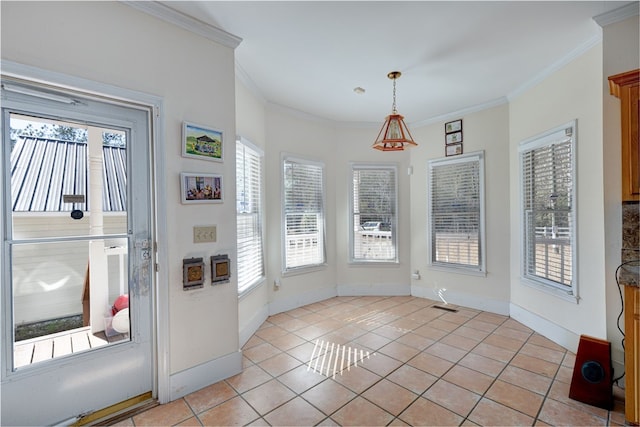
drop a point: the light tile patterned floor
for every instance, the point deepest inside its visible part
(414, 365)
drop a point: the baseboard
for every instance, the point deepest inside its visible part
(256, 321)
(193, 379)
(465, 300)
(282, 304)
(548, 329)
(375, 289)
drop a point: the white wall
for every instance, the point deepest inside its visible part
(621, 53)
(309, 139)
(112, 43)
(353, 144)
(485, 130)
(250, 124)
(573, 92)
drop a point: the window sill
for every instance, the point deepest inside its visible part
(559, 293)
(458, 270)
(372, 263)
(303, 270)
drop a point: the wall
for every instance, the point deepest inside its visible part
(195, 78)
(621, 53)
(309, 139)
(250, 124)
(353, 144)
(485, 130)
(572, 92)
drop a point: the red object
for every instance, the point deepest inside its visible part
(592, 380)
(121, 302)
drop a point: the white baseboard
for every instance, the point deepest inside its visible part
(375, 289)
(548, 329)
(193, 379)
(465, 300)
(256, 321)
(291, 302)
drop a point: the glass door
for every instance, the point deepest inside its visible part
(76, 285)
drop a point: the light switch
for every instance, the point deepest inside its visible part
(204, 233)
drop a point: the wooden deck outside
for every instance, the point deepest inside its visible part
(57, 345)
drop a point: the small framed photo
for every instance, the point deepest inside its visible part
(220, 269)
(192, 273)
(201, 142)
(201, 188)
(453, 126)
(454, 138)
(453, 149)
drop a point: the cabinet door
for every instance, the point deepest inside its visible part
(626, 86)
(630, 152)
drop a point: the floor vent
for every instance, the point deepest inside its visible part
(453, 310)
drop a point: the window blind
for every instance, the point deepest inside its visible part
(373, 206)
(249, 216)
(303, 209)
(547, 206)
(456, 212)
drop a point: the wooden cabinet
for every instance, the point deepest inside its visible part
(632, 354)
(626, 86)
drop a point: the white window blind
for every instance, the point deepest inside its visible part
(303, 211)
(456, 212)
(547, 178)
(373, 209)
(249, 215)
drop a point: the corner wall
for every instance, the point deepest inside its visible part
(485, 130)
(621, 52)
(573, 92)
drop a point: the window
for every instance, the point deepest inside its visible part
(548, 215)
(249, 215)
(373, 213)
(456, 212)
(303, 214)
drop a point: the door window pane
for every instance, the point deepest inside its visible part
(68, 237)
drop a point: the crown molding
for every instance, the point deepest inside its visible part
(460, 113)
(619, 14)
(188, 23)
(556, 66)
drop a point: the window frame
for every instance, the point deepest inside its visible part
(287, 271)
(354, 166)
(546, 139)
(481, 269)
(243, 290)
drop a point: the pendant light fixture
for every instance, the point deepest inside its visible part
(394, 134)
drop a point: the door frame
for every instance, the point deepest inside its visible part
(160, 304)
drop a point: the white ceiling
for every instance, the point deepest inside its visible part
(455, 56)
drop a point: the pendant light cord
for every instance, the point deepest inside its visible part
(394, 109)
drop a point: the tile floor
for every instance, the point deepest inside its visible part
(390, 361)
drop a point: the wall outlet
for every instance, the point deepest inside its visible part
(415, 275)
(204, 234)
(276, 283)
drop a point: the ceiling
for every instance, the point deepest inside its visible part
(454, 56)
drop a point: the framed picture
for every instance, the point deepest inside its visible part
(453, 126)
(220, 269)
(454, 138)
(453, 149)
(201, 142)
(201, 188)
(192, 273)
